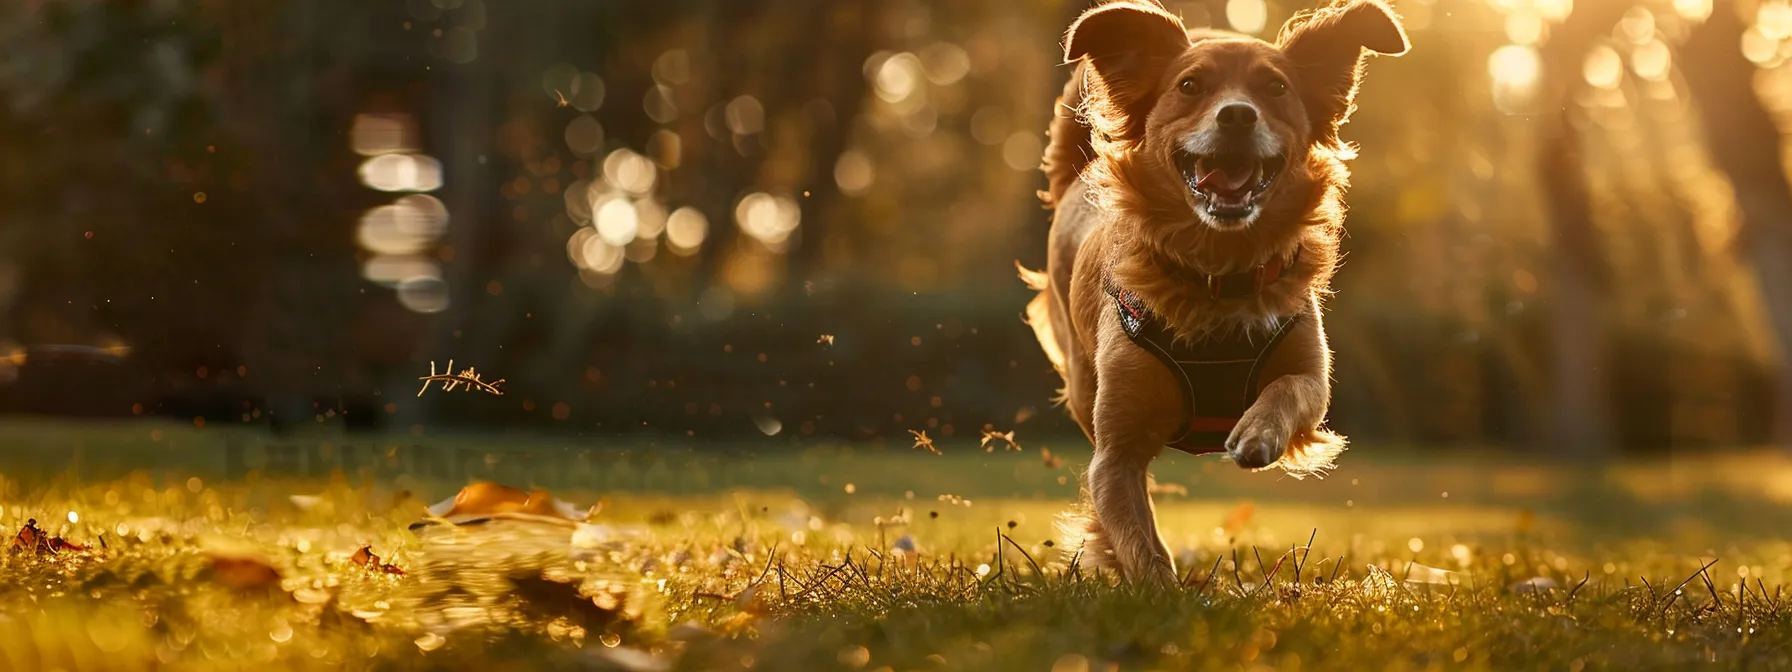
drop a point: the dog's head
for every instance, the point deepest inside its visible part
(1225, 121)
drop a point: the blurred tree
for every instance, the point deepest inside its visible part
(1744, 143)
(1582, 283)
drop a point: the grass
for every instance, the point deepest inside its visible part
(857, 558)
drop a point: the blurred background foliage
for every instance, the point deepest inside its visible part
(1570, 230)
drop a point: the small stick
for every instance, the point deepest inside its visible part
(450, 380)
(1301, 562)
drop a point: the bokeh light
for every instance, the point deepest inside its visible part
(685, 231)
(374, 134)
(423, 294)
(768, 219)
(898, 78)
(1603, 67)
(745, 116)
(616, 222)
(1515, 70)
(389, 270)
(673, 67)
(1651, 60)
(584, 135)
(1247, 16)
(630, 172)
(945, 63)
(854, 173)
(1524, 27)
(1021, 151)
(402, 172)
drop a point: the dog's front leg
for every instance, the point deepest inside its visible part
(1290, 406)
(1136, 407)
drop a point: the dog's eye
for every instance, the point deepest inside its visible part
(1277, 88)
(1189, 86)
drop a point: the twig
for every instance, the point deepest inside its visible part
(1275, 570)
(1301, 562)
(1235, 578)
(1210, 574)
(450, 380)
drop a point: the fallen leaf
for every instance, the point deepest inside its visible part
(1006, 437)
(1535, 584)
(1239, 517)
(35, 539)
(367, 560)
(243, 572)
(485, 500)
(1418, 573)
(431, 641)
(923, 441)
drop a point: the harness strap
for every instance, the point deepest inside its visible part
(1220, 375)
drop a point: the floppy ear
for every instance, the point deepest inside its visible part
(1327, 47)
(1127, 45)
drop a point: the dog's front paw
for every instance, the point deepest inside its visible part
(1256, 442)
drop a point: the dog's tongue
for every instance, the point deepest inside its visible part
(1228, 179)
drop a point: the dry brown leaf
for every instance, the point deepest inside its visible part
(923, 441)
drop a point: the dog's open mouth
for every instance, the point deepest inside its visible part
(1229, 185)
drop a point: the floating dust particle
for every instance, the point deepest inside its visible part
(199, 197)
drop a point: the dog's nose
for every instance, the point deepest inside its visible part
(1237, 116)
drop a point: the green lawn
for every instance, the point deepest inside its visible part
(781, 557)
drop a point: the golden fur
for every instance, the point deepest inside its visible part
(1144, 88)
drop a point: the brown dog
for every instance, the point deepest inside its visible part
(1198, 182)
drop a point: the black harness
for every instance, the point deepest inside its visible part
(1220, 373)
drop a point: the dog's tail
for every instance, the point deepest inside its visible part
(1081, 534)
(1069, 150)
(1039, 316)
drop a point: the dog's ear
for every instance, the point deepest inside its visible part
(1127, 45)
(1328, 47)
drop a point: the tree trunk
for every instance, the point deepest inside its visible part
(1580, 425)
(1744, 144)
